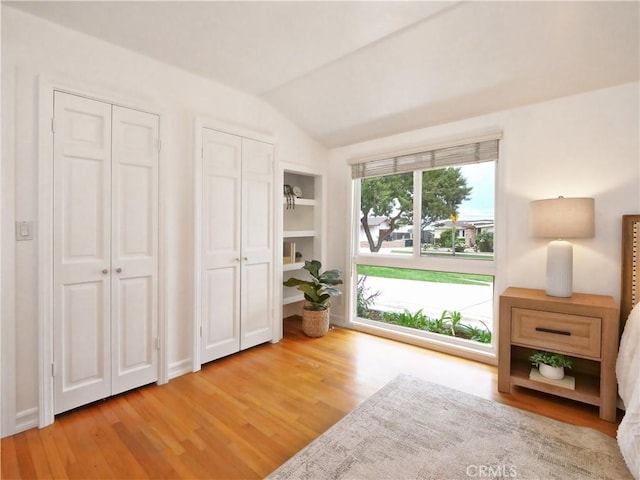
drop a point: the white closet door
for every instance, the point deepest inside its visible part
(257, 243)
(134, 244)
(221, 256)
(81, 215)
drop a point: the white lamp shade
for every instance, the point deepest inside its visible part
(563, 218)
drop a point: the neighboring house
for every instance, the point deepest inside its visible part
(467, 230)
(376, 225)
(379, 226)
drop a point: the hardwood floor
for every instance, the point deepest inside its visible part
(244, 415)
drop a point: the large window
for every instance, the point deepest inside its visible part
(424, 254)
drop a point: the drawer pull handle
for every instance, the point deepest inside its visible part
(551, 330)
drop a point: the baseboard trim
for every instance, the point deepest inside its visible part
(179, 368)
(26, 419)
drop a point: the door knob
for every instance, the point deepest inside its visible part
(118, 270)
(105, 271)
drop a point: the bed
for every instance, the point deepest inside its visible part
(628, 362)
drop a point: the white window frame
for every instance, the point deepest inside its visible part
(451, 345)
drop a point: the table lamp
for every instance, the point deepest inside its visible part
(561, 218)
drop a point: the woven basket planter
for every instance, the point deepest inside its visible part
(315, 323)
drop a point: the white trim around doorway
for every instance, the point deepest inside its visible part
(46, 88)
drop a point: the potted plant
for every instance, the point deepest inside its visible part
(551, 365)
(317, 293)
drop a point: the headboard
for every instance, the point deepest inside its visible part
(630, 293)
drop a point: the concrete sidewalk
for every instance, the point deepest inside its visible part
(474, 302)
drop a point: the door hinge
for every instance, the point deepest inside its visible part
(53, 125)
(53, 369)
(157, 343)
(159, 144)
(200, 331)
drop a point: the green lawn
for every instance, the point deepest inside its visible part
(429, 253)
(424, 275)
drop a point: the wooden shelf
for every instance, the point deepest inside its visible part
(298, 233)
(587, 386)
(287, 267)
(303, 202)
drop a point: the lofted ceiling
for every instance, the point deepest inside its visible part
(351, 71)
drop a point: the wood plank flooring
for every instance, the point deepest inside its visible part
(242, 416)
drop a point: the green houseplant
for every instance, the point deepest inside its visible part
(551, 365)
(318, 291)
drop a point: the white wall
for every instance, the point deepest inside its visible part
(583, 145)
(32, 48)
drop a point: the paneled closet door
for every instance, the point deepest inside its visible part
(81, 251)
(257, 243)
(105, 250)
(134, 249)
(221, 255)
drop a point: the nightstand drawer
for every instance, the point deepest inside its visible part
(571, 334)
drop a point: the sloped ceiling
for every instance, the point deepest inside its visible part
(351, 71)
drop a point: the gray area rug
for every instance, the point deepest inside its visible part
(415, 429)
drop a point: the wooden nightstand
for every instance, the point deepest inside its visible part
(583, 326)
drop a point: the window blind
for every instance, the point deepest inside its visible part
(476, 152)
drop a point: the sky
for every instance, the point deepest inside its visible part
(480, 176)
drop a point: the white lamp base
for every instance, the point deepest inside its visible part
(559, 269)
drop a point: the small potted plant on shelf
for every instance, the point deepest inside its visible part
(317, 293)
(551, 365)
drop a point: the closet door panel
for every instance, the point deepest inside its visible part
(219, 335)
(257, 302)
(257, 293)
(221, 206)
(221, 253)
(258, 227)
(257, 200)
(83, 373)
(81, 263)
(84, 211)
(136, 222)
(134, 243)
(136, 322)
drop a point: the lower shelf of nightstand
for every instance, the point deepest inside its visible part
(587, 386)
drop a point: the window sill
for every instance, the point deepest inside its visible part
(450, 345)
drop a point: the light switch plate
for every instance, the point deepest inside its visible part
(24, 231)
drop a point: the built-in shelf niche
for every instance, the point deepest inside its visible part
(302, 226)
